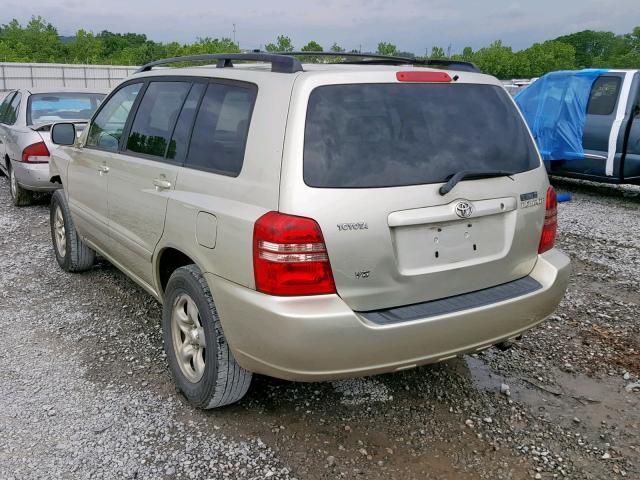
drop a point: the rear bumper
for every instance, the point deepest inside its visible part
(321, 338)
(34, 176)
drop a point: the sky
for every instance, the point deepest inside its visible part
(412, 25)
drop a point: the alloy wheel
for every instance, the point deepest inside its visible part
(188, 338)
(59, 232)
(13, 183)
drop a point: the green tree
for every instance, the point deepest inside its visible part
(38, 41)
(283, 44)
(386, 48)
(496, 59)
(590, 46)
(542, 58)
(467, 55)
(84, 48)
(437, 53)
(625, 52)
(210, 45)
(312, 46)
(113, 42)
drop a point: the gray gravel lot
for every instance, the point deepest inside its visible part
(85, 391)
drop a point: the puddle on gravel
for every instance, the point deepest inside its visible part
(596, 402)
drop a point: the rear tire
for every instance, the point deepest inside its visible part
(19, 195)
(200, 359)
(71, 252)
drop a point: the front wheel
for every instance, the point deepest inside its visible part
(71, 252)
(199, 357)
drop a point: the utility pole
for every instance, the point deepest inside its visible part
(234, 33)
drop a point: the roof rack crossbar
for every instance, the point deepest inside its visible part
(373, 58)
(279, 63)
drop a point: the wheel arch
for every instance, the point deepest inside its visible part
(168, 259)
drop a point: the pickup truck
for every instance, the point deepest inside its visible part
(611, 132)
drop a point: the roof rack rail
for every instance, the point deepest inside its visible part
(284, 62)
(375, 59)
(279, 63)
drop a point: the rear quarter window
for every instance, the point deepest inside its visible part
(11, 114)
(219, 135)
(4, 106)
(604, 95)
(386, 135)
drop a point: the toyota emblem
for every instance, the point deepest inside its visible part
(464, 209)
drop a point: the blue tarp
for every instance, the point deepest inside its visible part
(555, 107)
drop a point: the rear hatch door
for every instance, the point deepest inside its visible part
(366, 160)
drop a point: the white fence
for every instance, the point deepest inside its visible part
(30, 75)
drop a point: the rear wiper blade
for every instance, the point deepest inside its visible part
(455, 178)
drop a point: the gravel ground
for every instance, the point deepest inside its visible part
(85, 390)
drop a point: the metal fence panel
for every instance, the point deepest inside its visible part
(52, 75)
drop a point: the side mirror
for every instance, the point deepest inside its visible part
(63, 134)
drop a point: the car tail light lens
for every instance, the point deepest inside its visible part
(290, 256)
(548, 238)
(36, 153)
(438, 77)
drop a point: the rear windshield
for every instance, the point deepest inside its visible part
(53, 107)
(386, 135)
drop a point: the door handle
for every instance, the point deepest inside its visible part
(161, 184)
(102, 169)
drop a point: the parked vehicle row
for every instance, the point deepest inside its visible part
(26, 117)
(312, 222)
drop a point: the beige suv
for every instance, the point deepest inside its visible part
(313, 222)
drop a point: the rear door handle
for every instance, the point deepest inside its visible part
(102, 169)
(161, 183)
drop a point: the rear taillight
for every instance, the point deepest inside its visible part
(36, 153)
(290, 256)
(550, 226)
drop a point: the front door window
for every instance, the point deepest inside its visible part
(106, 130)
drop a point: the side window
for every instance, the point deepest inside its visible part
(220, 131)
(106, 129)
(156, 116)
(604, 94)
(11, 114)
(4, 106)
(180, 139)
